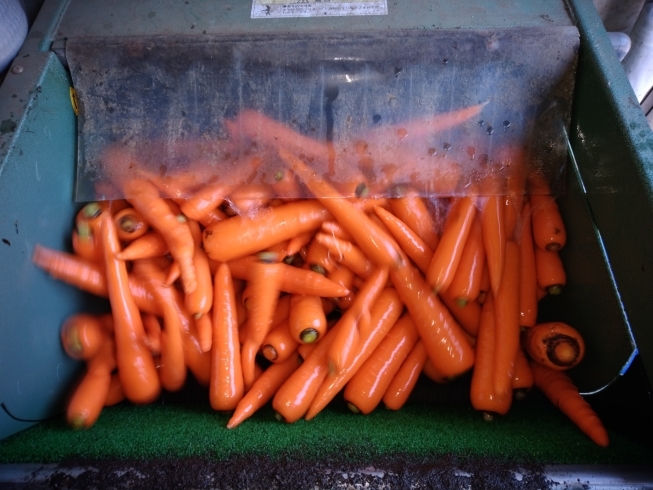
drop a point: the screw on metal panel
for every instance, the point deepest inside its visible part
(17, 69)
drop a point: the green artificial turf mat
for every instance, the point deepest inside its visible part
(531, 432)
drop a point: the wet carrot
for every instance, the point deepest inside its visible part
(343, 276)
(555, 345)
(211, 217)
(296, 243)
(444, 339)
(248, 198)
(494, 239)
(115, 394)
(383, 315)
(138, 374)
(239, 236)
(152, 333)
(334, 229)
(467, 316)
(527, 272)
(433, 373)
(366, 389)
(410, 208)
(346, 253)
(279, 344)
(173, 273)
(204, 326)
(82, 336)
(466, 283)
(227, 386)
(484, 287)
(549, 231)
(130, 224)
(200, 300)
(85, 243)
(175, 231)
(319, 258)
(375, 242)
(483, 395)
(550, 271)
(558, 387)
(306, 319)
(263, 389)
(522, 380)
(416, 249)
(404, 381)
(150, 245)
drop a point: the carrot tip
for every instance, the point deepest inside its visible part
(309, 335)
(488, 417)
(353, 408)
(554, 290)
(77, 421)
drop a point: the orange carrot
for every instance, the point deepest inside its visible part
(411, 209)
(138, 374)
(383, 315)
(318, 258)
(444, 339)
(433, 373)
(334, 229)
(173, 273)
(296, 243)
(467, 316)
(150, 245)
(494, 239)
(263, 389)
(548, 228)
(115, 394)
(522, 380)
(85, 243)
(550, 271)
(130, 224)
(82, 335)
(211, 217)
(416, 249)
(555, 345)
(204, 326)
(466, 282)
(483, 395)
(343, 276)
(446, 257)
(227, 387)
(240, 236)
(561, 391)
(306, 320)
(346, 253)
(146, 200)
(366, 389)
(374, 241)
(152, 333)
(200, 300)
(484, 287)
(527, 272)
(404, 381)
(247, 199)
(279, 343)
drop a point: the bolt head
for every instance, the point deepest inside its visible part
(17, 69)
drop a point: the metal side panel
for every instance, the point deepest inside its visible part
(613, 145)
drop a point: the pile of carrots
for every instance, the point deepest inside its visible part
(347, 291)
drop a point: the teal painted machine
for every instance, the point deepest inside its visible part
(608, 202)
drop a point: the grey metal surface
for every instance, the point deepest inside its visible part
(197, 17)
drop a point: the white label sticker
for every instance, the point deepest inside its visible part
(262, 9)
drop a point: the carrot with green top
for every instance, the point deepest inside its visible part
(240, 236)
(558, 387)
(138, 374)
(375, 242)
(447, 256)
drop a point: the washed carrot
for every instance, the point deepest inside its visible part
(494, 239)
(87, 401)
(263, 389)
(319, 258)
(444, 339)
(522, 380)
(383, 315)
(239, 236)
(173, 273)
(555, 345)
(483, 395)
(90, 215)
(265, 281)
(433, 373)
(85, 243)
(346, 253)
(115, 393)
(279, 343)
(172, 369)
(152, 333)
(150, 245)
(247, 199)
(86, 275)
(375, 242)
(403, 382)
(416, 249)
(446, 257)
(135, 363)
(343, 276)
(204, 326)
(227, 387)
(366, 389)
(82, 336)
(549, 231)
(175, 231)
(484, 287)
(466, 284)
(296, 243)
(467, 316)
(355, 324)
(295, 280)
(550, 271)
(527, 271)
(512, 213)
(211, 217)
(334, 229)
(130, 224)
(558, 387)
(506, 327)
(306, 319)
(200, 300)
(410, 208)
